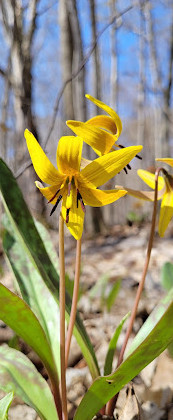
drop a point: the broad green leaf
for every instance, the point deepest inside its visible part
(167, 276)
(104, 388)
(34, 291)
(112, 346)
(151, 322)
(4, 405)
(18, 315)
(113, 294)
(18, 374)
(30, 239)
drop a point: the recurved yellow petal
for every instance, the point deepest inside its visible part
(143, 195)
(169, 161)
(149, 179)
(98, 198)
(105, 122)
(76, 216)
(166, 212)
(100, 140)
(69, 152)
(42, 165)
(49, 192)
(109, 110)
(105, 167)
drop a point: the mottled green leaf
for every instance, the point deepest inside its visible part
(4, 405)
(104, 388)
(18, 374)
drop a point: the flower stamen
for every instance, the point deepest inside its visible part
(53, 196)
(69, 189)
(56, 204)
(67, 215)
(79, 198)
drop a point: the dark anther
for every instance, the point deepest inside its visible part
(67, 215)
(129, 167)
(53, 196)
(56, 204)
(79, 198)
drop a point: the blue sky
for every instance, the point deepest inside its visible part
(47, 79)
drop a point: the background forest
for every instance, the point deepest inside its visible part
(53, 52)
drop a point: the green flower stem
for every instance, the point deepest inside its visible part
(62, 317)
(74, 301)
(111, 404)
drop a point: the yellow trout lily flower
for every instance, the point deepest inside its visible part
(165, 192)
(73, 186)
(101, 131)
(166, 211)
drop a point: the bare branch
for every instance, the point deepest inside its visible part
(3, 72)
(32, 18)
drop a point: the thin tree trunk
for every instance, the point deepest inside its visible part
(20, 40)
(114, 60)
(79, 82)
(167, 99)
(66, 58)
(155, 79)
(141, 87)
(96, 212)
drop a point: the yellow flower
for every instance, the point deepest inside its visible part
(166, 211)
(165, 192)
(100, 132)
(73, 186)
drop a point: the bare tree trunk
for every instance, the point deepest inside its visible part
(66, 58)
(96, 73)
(167, 99)
(156, 80)
(79, 82)
(114, 61)
(141, 88)
(20, 40)
(96, 212)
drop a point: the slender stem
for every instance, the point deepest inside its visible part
(74, 301)
(62, 317)
(111, 403)
(56, 395)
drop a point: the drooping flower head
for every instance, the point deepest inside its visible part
(100, 132)
(74, 187)
(165, 192)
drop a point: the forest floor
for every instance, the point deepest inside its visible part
(105, 259)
